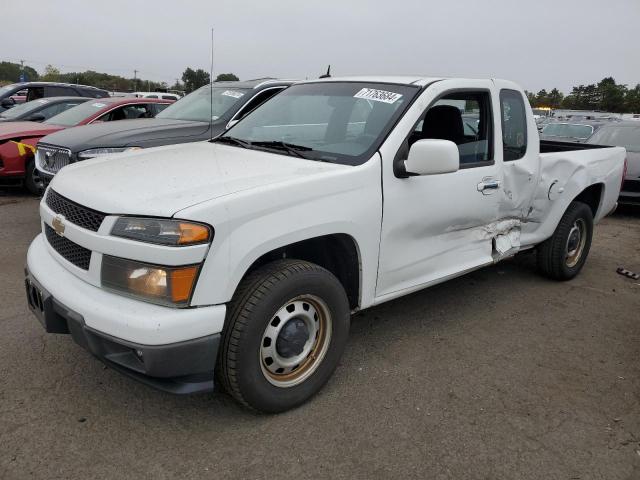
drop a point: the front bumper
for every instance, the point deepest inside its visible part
(172, 349)
(181, 368)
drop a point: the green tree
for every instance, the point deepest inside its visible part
(611, 95)
(51, 74)
(542, 98)
(10, 72)
(555, 98)
(227, 77)
(632, 100)
(194, 79)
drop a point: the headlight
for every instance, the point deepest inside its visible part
(169, 286)
(96, 152)
(162, 231)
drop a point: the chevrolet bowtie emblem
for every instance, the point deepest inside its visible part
(58, 224)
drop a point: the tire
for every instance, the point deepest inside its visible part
(556, 257)
(257, 354)
(32, 181)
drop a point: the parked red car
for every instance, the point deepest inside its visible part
(18, 139)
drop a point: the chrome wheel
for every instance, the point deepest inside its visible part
(295, 341)
(576, 241)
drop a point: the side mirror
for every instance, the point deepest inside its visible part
(36, 117)
(7, 102)
(432, 157)
(232, 123)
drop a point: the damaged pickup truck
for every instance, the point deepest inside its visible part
(237, 262)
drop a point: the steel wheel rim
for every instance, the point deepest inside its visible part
(576, 241)
(283, 371)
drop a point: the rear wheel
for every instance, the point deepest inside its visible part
(286, 329)
(32, 180)
(562, 256)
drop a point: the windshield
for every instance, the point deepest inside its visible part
(197, 105)
(568, 130)
(340, 122)
(23, 109)
(8, 89)
(75, 115)
(619, 136)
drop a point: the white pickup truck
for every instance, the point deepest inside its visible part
(241, 259)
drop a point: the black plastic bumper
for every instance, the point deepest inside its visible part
(180, 368)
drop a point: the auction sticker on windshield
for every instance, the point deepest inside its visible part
(378, 95)
(98, 105)
(231, 93)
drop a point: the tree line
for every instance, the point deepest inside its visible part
(605, 96)
(191, 79)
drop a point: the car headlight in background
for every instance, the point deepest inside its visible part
(168, 286)
(97, 152)
(161, 231)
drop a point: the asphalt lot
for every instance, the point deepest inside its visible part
(500, 374)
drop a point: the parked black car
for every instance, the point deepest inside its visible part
(35, 90)
(193, 118)
(41, 109)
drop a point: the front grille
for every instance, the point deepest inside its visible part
(631, 186)
(77, 214)
(69, 250)
(52, 159)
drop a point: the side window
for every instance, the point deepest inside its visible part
(52, 110)
(259, 99)
(514, 125)
(464, 118)
(34, 93)
(168, 97)
(151, 96)
(158, 107)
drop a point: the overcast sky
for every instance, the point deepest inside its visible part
(538, 43)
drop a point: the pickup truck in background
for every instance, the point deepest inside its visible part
(244, 264)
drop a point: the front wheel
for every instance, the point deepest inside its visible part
(562, 256)
(32, 180)
(286, 329)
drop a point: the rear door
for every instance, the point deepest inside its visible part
(437, 226)
(519, 149)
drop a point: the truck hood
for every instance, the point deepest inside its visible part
(13, 130)
(164, 180)
(144, 132)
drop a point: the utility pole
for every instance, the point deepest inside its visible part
(22, 79)
(135, 80)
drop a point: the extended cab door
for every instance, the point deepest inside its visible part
(436, 226)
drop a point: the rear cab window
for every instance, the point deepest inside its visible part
(514, 125)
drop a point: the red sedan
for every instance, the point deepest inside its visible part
(18, 139)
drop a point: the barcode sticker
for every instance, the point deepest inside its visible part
(378, 95)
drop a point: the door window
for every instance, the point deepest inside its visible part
(463, 118)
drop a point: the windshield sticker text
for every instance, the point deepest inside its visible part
(232, 93)
(378, 95)
(98, 105)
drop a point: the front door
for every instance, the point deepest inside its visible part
(438, 226)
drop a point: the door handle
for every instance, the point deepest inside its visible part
(488, 185)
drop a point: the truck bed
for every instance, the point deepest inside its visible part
(551, 146)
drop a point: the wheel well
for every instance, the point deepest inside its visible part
(337, 253)
(591, 196)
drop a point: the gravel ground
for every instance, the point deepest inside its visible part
(500, 374)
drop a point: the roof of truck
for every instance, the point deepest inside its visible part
(399, 79)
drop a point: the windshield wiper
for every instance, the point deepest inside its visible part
(233, 141)
(287, 147)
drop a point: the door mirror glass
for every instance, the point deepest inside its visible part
(432, 157)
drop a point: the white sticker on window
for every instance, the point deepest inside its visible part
(232, 93)
(98, 105)
(378, 95)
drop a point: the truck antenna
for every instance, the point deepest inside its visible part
(211, 90)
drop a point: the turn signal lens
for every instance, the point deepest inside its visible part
(161, 231)
(171, 286)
